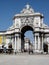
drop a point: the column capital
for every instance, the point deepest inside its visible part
(36, 34)
(17, 35)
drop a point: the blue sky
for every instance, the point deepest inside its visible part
(8, 8)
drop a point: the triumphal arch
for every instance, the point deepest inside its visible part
(28, 19)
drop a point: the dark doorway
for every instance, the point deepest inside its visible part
(45, 47)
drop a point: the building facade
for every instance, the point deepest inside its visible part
(28, 19)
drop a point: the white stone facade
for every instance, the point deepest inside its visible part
(27, 20)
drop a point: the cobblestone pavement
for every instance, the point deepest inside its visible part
(24, 59)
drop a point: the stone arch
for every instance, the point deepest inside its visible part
(29, 25)
(26, 28)
(23, 30)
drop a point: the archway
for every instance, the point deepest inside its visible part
(23, 31)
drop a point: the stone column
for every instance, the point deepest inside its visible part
(15, 45)
(35, 42)
(38, 43)
(42, 42)
(18, 44)
(13, 42)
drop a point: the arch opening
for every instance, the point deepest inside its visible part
(27, 37)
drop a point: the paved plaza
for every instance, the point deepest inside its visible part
(24, 59)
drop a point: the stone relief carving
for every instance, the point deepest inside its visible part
(27, 20)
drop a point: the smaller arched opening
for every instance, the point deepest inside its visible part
(26, 31)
